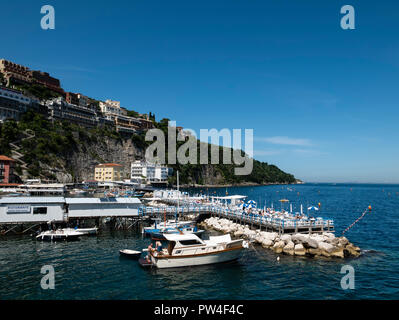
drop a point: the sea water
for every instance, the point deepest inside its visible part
(92, 268)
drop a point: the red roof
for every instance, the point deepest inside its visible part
(109, 165)
(5, 158)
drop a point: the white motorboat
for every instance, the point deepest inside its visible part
(161, 226)
(190, 250)
(131, 254)
(84, 231)
(59, 235)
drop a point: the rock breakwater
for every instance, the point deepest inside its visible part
(312, 245)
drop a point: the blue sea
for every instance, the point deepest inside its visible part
(93, 269)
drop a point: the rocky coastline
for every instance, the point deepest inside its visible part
(311, 245)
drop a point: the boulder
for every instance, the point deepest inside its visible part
(289, 248)
(278, 246)
(266, 243)
(326, 247)
(339, 253)
(299, 238)
(238, 233)
(314, 252)
(286, 238)
(269, 235)
(311, 243)
(343, 241)
(299, 250)
(351, 250)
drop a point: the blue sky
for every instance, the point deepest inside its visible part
(323, 101)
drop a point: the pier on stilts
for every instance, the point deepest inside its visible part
(280, 225)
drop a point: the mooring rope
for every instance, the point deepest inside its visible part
(357, 220)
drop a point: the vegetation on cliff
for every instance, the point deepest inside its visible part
(54, 143)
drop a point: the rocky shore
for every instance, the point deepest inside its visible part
(314, 245)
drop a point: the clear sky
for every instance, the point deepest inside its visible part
(323, 101)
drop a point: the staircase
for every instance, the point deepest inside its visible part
(17, 156)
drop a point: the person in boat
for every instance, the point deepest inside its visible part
(150, 250)
(158, 246)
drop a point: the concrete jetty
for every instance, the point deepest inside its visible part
(314, 245)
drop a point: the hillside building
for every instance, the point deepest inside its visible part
(109, 172)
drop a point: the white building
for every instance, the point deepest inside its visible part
(112, 107)
(31, 209)
(17, 210)
(13, 103)
(141, 170)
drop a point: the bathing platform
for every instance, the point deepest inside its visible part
(287, 223)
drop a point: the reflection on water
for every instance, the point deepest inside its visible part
(93, 269)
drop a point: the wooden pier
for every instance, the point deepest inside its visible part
(265, 223)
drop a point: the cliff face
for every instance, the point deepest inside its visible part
(80, 162)
(68, 153)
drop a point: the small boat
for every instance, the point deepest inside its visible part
(158, 227)
(132, 254)
(84, 231)
(59, 235)
(190, 250)
(178, 230)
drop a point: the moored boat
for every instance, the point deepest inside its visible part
(179, 230)
(59, 235)
(84, 231)
(131, 254)
(190, 250)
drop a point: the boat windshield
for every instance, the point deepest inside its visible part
(189, 242)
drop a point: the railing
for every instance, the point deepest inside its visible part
(252, 218)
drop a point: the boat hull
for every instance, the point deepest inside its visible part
(50, 238)
(182, 261)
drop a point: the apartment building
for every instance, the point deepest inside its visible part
(15, 73)
(44, 79)
(6, 170)
(149, 172)
(13, 103)
(113, 111)
(59, 109)
(109, 172)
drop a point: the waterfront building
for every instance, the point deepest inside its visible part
(13, 103)
(15, 73)
(142, 170)
(6, 170)
(18, 210)
(44, 79)
(108, 172)
(59, 109)
(41, 189)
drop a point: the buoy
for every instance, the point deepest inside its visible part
(369, 208)
(319, 204)
(278, 258)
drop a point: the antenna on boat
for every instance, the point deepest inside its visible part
(178, 196)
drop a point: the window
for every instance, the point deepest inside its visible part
(40, 210)
(189, 242)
